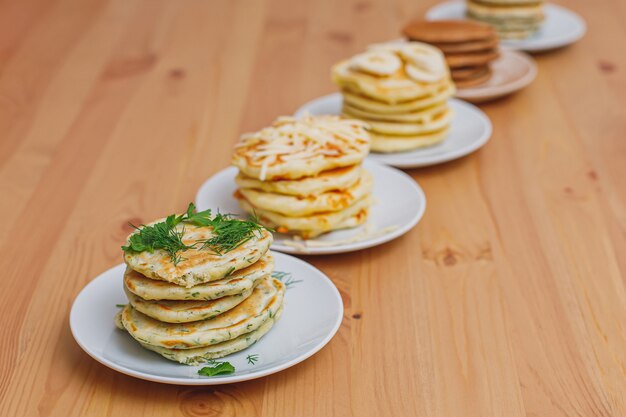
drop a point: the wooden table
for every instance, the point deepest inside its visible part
(508, 299)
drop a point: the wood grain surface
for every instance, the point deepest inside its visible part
(508, 299)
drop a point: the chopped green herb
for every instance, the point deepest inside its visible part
(217, 368)
(252, 359)
(229, 233)
(230, 271)
(286, 278)
(120, 305)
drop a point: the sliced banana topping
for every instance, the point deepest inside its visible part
(376, 62)
(423, 62)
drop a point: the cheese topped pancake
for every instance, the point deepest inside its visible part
(246, 317)
(198, 265)
(314, 225)
(172, 311)
(304, 206)
(296, 148)
(200, 355)
(334, 179)
(236, 283)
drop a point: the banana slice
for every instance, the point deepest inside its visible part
(423, 62)
(376, 62)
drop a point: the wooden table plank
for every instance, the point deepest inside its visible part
(508, 299)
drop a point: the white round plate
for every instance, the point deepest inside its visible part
(511, 72)
(561, 26)
(471, 129)
(399, 204)
(303, 329)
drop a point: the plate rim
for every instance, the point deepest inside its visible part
(356, 246)
(523, 45)
(217, 380)
(404, 163)
(480, 93)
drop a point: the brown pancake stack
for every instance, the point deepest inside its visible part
(469, 47)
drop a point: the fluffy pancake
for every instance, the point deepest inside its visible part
(394, 89)
(391, 143)
(200, 355)
(246, 317)
(530, 11)
(236, 283)
(468, 72)
(334, 179)
(411, 129)
(471, 46)
(471, 59)
(374, 106)
(447, 31)
(198, 265)
(172, 311)
(476, 79)
(296, 148)
(292, 206)
(424, 115)
(314, 225)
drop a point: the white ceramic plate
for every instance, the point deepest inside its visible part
(560, 28)
(303, 329)
(470, 130)
(511, 72)
(399, 204)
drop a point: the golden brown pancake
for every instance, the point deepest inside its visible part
(447, 31)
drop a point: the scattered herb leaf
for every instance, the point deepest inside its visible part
(217, 368)
(286, 278)
(120, 305)
(252, 359)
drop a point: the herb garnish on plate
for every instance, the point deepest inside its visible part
(217, 368)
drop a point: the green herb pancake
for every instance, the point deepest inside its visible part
(200, 355)
(236, 283)
(246, 317)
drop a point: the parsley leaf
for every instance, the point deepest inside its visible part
(217, 368)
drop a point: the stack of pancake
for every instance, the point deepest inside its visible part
(469, 47)
(512, 19)
(206, 305)
(304, 176)
(401, 90)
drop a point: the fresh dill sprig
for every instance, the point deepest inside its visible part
(252, 359)
(286, 278)
(229, 233)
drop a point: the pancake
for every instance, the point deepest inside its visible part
(468, 72)
(423, 115)
(172, 311)
(474, 80)
(447, 31)
(531, 11)
(293, 206)
(334, 179)
(296, 148)
(389, 144)
(411, 129)
(315, 225)
(246, 317)
(375, 106)
(236, 283)
(196, 356)
(471, 59)
(471, 46)
(394, 89)
(198, 265)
